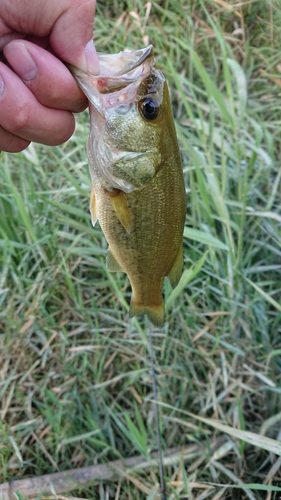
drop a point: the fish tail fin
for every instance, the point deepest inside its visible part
(155, 312)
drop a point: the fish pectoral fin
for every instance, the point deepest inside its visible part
(121, 208)
(176, 271)
(112, 265)
(93, 206)
(155, 312)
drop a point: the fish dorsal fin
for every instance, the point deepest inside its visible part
(112, 265)
(121, 208)
(93, 206)
(176, 271)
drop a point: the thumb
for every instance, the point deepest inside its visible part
(71, 36)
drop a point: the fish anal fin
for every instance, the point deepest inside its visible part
(93, 206)
(176, 271)
(155, 312)
(121, 208)
(112, 265)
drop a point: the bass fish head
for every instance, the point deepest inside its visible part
(128, 101)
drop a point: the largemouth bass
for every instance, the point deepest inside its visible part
(138, 192)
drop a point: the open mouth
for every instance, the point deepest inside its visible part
(117, 71)
(124, 63)
(119, 78)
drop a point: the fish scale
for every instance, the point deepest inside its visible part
(147, 253)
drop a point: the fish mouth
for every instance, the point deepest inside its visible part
(116, 65)
(124, 62)
(118, 80)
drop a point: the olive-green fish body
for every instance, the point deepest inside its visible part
(138, 191)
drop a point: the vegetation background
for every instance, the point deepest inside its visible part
(75, 383)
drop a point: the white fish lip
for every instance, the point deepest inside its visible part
(129, 60)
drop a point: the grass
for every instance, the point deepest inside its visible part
(75, 385)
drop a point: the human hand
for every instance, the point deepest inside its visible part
(37, 92)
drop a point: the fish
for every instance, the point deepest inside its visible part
(138, 190)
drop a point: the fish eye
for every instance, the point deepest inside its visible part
(149, 108)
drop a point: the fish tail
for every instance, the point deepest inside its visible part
(156, 313)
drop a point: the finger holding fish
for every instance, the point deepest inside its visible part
(38, 95)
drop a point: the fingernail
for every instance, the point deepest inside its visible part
(92, 61)
(21, 61)
(2, 86)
